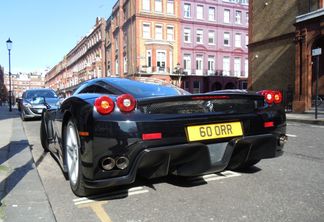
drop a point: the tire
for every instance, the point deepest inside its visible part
(72, 159)
(43, 135)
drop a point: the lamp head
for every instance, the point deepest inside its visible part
(9, 44)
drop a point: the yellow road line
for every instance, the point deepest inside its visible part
(98, 210)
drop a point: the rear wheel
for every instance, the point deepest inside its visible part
(43, 135)
(72, 155)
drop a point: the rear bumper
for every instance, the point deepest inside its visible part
(192, 159)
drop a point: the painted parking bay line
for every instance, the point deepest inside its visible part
(291, 135)
(112, 195)
(215, 176)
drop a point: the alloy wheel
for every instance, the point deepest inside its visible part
(72, 153)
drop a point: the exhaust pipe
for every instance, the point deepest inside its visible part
(122, 162)
(108, 163)
(283, 139)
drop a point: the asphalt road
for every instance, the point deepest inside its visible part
(288, 188)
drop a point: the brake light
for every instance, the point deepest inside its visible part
(272, 96)
(209, 97)
(104, 105)
(151, 136)
(268, 124)
(126, 103)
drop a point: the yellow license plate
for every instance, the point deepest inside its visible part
(214, 131)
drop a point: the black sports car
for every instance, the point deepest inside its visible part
(112, 129)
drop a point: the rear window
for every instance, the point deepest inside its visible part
(142, 89)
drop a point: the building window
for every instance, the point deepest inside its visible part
(146, 5)
(238, 17)
(199, 36)
(158, 5)
(200, 12)
(186, 85)
(247, 18)
(238, 43)
(116, 42)
(170, 33)
(237, 67)
(211, 14)
(226, 16)
(116, 67)
(158, 32)
(196, 87)
(211, 38)
(226, 39)
(199, 65)
(187, 63)
(146, 31)
(187, 10)
(187, 37)
(246, 68)
(170, 7)
(211, 65)
(160, 60)
(148, 61)
(125, 64)
(246, 40)
(226, 66)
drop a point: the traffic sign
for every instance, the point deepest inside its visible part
(317, 52)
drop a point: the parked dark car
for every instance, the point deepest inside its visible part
(34, 101)
(112, 129)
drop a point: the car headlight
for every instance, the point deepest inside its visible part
(28, 105)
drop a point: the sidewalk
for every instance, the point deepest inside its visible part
(307, 117)
(22, 194)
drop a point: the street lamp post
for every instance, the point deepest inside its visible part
(9, 47)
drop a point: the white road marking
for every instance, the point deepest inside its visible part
(322, 127)
(291, 135)
(213, 177)
(112, 195)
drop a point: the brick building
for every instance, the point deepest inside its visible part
(143, 39)
(85, 61)
(282, 36)
(23, 81)
(214, 37)
(3, 89)
(149, 39)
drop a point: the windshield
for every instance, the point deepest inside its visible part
(40, 93)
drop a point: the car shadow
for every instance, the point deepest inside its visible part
(140, 183)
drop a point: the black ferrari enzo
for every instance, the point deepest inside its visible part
(112, 129)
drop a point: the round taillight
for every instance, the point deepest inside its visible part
(269, 97)
(104, 105)
(126, 103)
(277, 97)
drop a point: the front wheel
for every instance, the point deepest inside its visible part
(72, 155)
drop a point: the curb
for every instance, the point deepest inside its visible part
(307, 121)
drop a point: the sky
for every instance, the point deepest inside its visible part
(43, 31)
